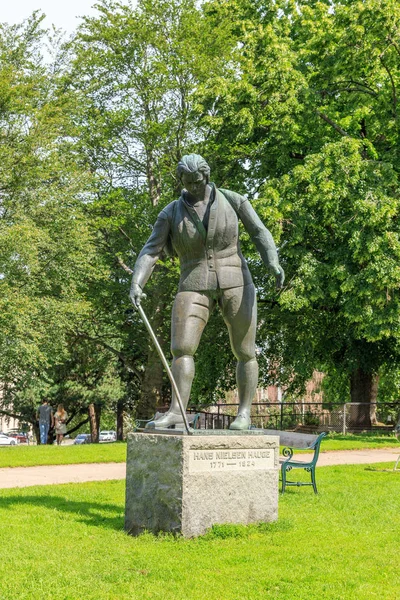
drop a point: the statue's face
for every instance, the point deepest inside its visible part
(195, 183)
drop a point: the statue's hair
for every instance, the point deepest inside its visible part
(193, 163)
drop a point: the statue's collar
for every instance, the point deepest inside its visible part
(212, 195)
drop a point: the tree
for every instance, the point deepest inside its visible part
(341, 221)
(312, 119)
(88, 384)
(135, 72)
(46, 250)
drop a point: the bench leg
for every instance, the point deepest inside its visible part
(283, 471)
(314, 483)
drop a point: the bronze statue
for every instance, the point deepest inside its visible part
(202, 227)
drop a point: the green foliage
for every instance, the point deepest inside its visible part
(309, 123)
(340, 213)
(295, 104)
(135, 72)
(46, 248)
(389, 385)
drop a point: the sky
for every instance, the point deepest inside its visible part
(62, 13)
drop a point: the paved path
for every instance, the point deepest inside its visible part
(357, 457)
(28, 476)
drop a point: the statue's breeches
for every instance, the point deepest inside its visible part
(191, 312)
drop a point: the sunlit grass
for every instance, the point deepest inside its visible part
(67, 542)
(337, 441)
(29, 456)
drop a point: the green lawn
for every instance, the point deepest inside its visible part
(337, 441)
(29, 456)
(67, 542)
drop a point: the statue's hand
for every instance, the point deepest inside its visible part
(136, 294)
(279, 276)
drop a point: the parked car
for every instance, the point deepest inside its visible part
(21, 438)
(83, 438)
(108, 436)
(6, 440)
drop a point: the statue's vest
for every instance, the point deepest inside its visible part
(209, 259)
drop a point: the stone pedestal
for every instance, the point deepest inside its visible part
(185, 484)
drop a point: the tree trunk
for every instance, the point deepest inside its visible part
(363, 392)
(120, 420)
(94, 412)
(151, 166)
(154, 188)
(76, 427)
(51, 436)
(36, 431)
(374, 396)
(151, 390)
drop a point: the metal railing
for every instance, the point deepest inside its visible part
(312, 416)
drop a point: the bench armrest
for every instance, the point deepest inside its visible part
(287, 453)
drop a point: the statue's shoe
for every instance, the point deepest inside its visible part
(165, 421)
(242, 422)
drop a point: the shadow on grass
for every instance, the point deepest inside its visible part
(107, 516)
(394, 471)
(111, 516)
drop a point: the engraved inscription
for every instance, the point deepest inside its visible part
(231, 460)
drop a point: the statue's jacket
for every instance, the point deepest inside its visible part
(212, 258)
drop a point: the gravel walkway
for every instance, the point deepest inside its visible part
(357, 457)
(28, 476)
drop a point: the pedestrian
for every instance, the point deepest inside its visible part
(46, 419)
(61, 417)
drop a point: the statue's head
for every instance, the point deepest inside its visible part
(194, 174)
(193, 165)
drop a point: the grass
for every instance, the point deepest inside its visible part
(67, 542)
(338, 441)
(29, 456)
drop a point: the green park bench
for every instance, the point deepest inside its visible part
(291, 441)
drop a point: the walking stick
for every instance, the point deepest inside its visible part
(166, 365)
